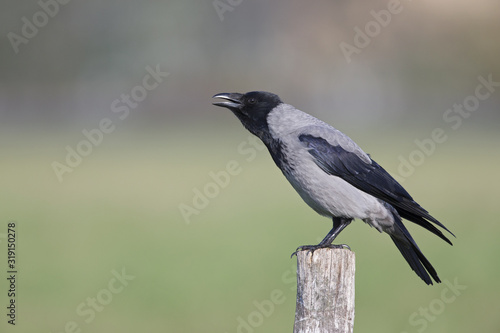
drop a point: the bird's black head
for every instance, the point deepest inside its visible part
(251, 108)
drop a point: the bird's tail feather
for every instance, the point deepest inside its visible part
(416, 260)
(423, 223)
(410, 251)
(413, 212)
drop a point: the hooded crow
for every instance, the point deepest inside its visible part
(333, 175)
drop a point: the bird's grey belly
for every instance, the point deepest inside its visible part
(332, 196)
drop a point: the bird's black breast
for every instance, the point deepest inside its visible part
(277, 150)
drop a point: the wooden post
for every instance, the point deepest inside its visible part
(325, 291)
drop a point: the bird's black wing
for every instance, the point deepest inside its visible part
(369, 178)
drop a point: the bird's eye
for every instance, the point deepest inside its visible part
(252, 101)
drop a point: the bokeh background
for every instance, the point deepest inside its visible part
(130, 203)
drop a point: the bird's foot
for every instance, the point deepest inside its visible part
(312, 248)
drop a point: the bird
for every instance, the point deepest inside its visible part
(333, 175)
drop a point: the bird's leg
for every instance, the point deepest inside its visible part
(339, 224)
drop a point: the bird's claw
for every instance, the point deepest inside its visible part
(312, 248)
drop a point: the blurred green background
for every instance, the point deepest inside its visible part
(129, 204)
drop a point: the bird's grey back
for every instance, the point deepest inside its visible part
(285, 120)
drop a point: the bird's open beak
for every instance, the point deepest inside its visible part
(232, 100)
